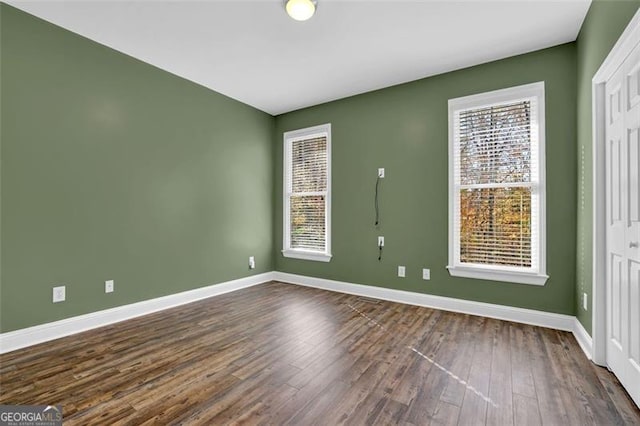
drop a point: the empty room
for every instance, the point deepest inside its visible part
(320, 212)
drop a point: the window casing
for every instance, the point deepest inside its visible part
(497, 185)
(307, 194)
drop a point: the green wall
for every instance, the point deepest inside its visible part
(602, 27)
(404, 129)
(114, 169)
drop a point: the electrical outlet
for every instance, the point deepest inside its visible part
(109, 286)
(585, 305)
(401, 271)
(381, 172)
(252, 262)
(59, 294)
(380, 241)
(426, 274)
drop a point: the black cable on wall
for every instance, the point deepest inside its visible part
(377, 212)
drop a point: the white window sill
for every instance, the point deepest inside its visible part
(307, 255)
(497, 275)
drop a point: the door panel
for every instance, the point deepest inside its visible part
(634, 317)
(615, 325)
(614, 103)
(631, 126)
(633, 165)
(633, 87)
(615, 187)
(622, 94)
(616, 220)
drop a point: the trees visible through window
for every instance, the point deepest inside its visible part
(497, 186)
(307, 193)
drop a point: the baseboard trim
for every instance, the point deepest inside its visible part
(30, 336)
(22, 338)
(508, 313)
(583, 338)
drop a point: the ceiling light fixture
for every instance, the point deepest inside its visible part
(301, 10)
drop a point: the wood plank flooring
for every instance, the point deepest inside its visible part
(283, 354)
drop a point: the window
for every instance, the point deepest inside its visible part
(496, 186)
(307, 193)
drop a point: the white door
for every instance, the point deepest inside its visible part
(623, 223)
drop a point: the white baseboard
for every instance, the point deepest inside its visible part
(583, 338)
(54, 330)
(42, 333)
(508, 313)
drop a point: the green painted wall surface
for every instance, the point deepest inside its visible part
(114, 169)
(404, 129)
(601, 29)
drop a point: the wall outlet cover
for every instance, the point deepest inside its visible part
(381, 172)
(585, 299)
(59, 294)
(380, 241)
(252, 262)
(401, 271)
(426, 274)
(109, 286)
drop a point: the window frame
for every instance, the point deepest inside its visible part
(288, 139)
(496, 272)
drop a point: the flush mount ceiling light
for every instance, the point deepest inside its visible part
(301, 10)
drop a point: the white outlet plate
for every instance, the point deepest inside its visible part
(252, 262)
(401, 271)
(585, 299)
(109, 286)
(59, 294)
(380, 241)
(426, 274)
(381, 172)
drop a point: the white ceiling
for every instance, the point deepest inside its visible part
(253, 52)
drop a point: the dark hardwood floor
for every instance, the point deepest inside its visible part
(283, 354)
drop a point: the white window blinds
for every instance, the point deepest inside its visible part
(307, 195)
(493, 176)
(496, 191)
(308, 191)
